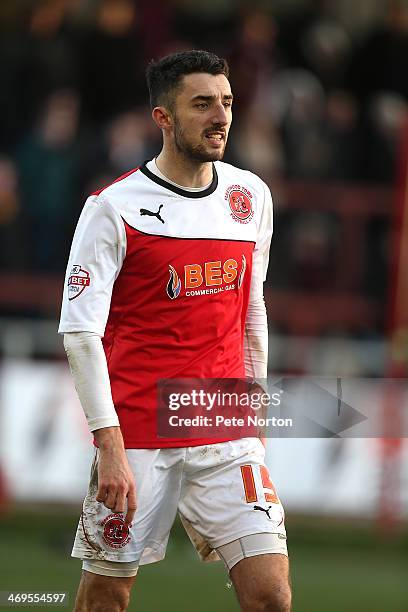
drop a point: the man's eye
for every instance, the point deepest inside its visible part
(227, 104)
(201, 105)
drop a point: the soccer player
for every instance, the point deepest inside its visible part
(164, 281)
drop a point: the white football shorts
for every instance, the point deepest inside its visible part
(222, 492)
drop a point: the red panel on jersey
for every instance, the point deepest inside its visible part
(178, 310)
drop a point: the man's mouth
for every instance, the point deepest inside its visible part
(215, 137)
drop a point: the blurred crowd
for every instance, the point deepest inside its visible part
(314, 102)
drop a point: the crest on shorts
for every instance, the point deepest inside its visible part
(115, 531)
(78, 280)
(240, 203)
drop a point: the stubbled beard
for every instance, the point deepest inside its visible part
(194, 152)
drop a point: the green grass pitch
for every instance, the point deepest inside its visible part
(336, 567)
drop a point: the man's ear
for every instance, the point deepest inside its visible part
(162, 117)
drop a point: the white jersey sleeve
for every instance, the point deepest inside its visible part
(256, 324)
(96, 257)
(265, 230)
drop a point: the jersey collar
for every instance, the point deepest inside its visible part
(183, 192)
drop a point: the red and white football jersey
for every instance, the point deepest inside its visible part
(163, 275)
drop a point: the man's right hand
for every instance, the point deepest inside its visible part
(116, 483)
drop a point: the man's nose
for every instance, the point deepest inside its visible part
(220, 115)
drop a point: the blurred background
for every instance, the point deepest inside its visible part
(321, 114)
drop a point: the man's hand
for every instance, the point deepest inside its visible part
(115, 478)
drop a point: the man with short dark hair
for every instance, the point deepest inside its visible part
(164, 281)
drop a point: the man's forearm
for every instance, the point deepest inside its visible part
(89, 370)
(256, 340)
(109, 438)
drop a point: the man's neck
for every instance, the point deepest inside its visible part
(185, 172)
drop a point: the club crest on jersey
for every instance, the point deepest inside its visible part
(239, 200)
(78, 280)
(174, 285)
(115, 532)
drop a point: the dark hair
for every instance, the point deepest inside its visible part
(164, 76)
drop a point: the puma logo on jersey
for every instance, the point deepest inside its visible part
(150, 213)
(266, 510)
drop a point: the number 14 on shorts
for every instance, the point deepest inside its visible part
(248, 479)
